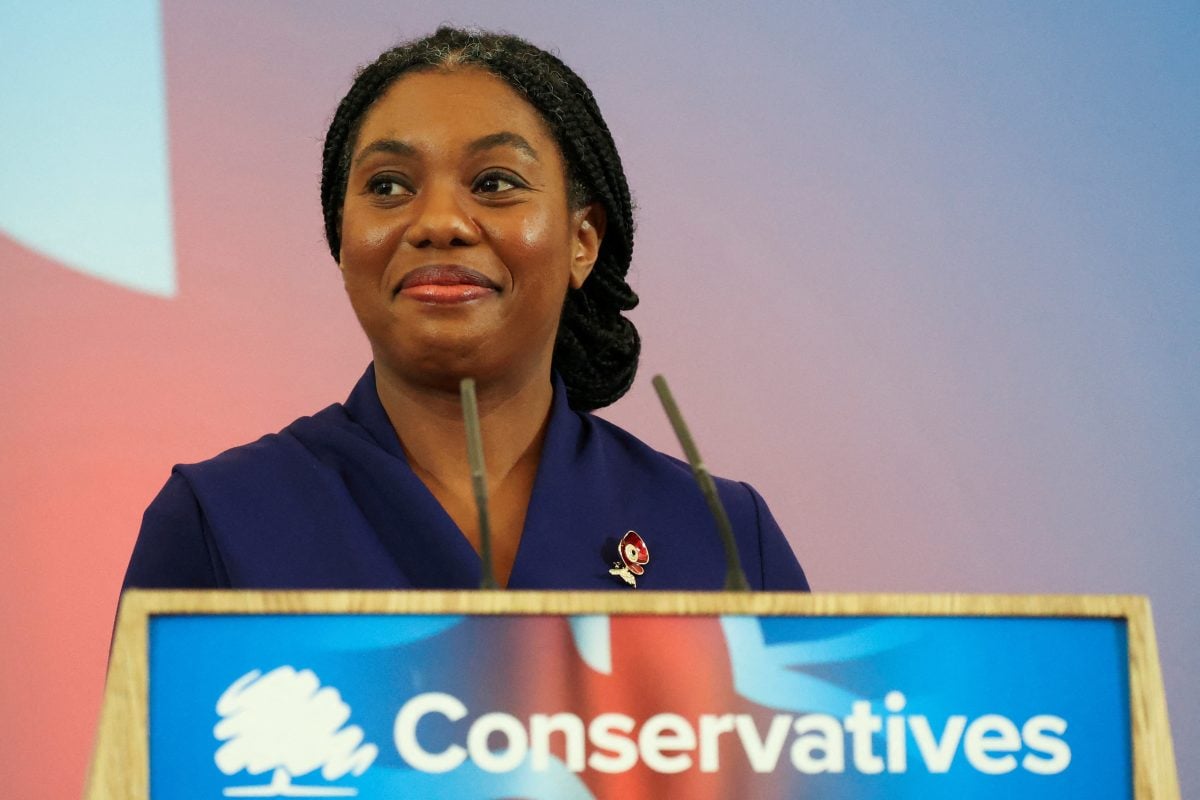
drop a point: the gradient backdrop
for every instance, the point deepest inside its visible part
(925, 274)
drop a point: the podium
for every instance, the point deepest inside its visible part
(632, 695)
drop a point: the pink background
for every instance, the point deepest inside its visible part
(924, 275)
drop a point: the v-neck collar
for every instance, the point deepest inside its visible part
(550, 520)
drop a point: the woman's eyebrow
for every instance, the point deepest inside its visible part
(502, 139)
(393, 146)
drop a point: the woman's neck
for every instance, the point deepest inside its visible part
(513, 419)
(429, 423)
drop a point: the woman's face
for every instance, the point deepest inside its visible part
(458, 240)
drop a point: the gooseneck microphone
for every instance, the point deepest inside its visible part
(735, 577)
(470, 409)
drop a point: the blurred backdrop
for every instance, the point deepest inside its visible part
(924, 273)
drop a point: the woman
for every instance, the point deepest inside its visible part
(476, 205)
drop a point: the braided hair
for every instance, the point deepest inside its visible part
(597, 347)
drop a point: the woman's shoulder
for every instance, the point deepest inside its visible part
(644, 470)
(338, 434)
(305, 439)
(234, 510)
(647, 477)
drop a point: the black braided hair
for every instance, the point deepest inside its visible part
(597, 348)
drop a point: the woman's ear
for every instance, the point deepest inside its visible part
(588, 234)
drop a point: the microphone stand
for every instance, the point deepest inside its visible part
(735, 576)
(470, 407)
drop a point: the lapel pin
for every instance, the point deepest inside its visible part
(634, 553)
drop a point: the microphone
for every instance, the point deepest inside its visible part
(470, 408)
(735, 577)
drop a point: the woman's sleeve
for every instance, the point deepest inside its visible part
(174, 548)
(781, 571)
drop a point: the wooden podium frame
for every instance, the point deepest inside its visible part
(120, 763)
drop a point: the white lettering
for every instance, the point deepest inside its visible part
(862, 725)
(711, 728)
(668, 743)
(938, 754)
(667, 732)
(541, 726)
(823, 733)
(990, 734)
(481, 752)
(602, 732)
(404, 731)
(763, 755)
(897, 739)
(1034, 733)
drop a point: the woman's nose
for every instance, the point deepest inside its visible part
(441, 220)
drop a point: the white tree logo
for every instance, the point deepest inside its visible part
(287, 722)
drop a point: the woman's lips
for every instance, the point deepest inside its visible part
(446, 283)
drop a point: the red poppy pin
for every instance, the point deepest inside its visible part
(634, 553)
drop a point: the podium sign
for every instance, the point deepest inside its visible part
(631, 695)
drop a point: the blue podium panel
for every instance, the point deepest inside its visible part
(632, 706)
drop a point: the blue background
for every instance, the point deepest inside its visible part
(1075, 669)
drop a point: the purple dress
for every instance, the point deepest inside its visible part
(330, 502)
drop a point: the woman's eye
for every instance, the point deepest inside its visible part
(497, 183)
(387, 187)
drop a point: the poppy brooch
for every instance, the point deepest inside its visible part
(634, 554)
